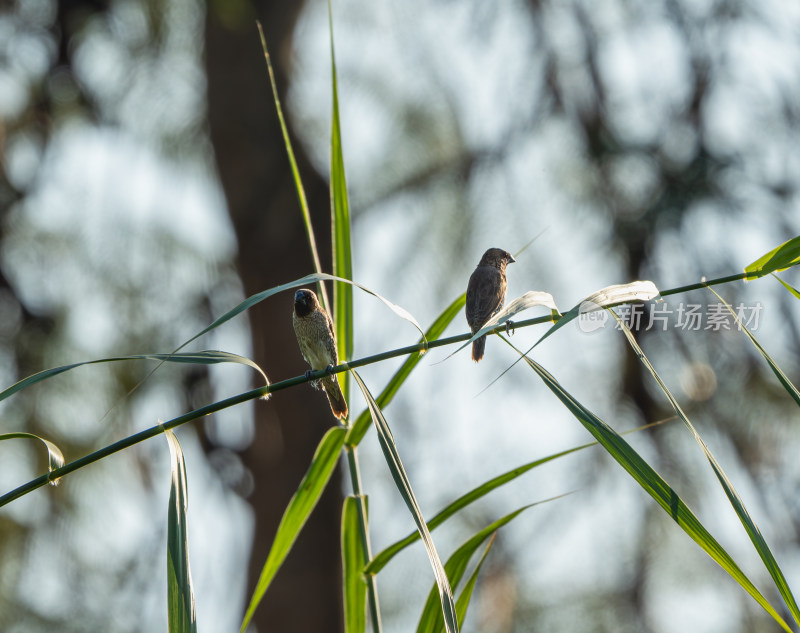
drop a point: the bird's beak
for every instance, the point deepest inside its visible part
(511, 260)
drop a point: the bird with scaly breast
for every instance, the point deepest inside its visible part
(486, 294)
(314, 330)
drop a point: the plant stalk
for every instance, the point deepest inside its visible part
(363, 522)
(420, 347)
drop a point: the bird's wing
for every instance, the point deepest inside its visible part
(486, 293)
(331, 340)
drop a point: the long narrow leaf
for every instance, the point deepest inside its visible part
(782, 377)
(181, 615)
(360, 426)
(603, 298)
(379, 561)
(654, 485)
(303, 281)
(795, 292)
(298, 183)
(735, 500)
(297, 512)
(463, 600)
(404, 486)
(530, 299)
(207, 357)
(55, 457)
(431, 619)
(353, 559)
(340, 224)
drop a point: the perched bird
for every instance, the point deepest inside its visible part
(486, 293)
(314, 330)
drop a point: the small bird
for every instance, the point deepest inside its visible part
(314, 330)
(486, 293)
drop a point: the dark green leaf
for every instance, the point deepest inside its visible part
(404, 486)
(207, 357)
(379, 561)
(360, 426)
(431, 618)
(655, 486)
(462, 603)
(340, 226)
(779, 374)
(738, 505)
(297, 512)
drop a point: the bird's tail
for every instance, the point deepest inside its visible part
(335, 397)
(477, 348)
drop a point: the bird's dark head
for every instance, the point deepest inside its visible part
(305, 302)
(496, 257)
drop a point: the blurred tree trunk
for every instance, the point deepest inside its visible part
(261, 197)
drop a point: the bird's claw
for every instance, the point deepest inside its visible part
(329, 369)
(308, 374)
(510, 328)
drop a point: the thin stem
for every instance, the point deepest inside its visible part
(711, 282)
(291, 382)
(130, 441)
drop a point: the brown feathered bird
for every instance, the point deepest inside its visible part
(314, 330)
(486, 294)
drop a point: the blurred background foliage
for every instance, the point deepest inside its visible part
(145, 189)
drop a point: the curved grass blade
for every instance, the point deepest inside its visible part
(340, 226)
(294, 517)
(431, 619)
(181, 615)
(206, 357)
(303, 281)
(462, 603)
(782, 377)
(353, 559)
(791, 289)
(55, 457)
(654, 485)
(735, 500)
(379, 561)
(603, 298)
(131, 440)
(784, 256)
(623, 293)
(360, 426)
(530, 299)
(404, 486)
(606, 298)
